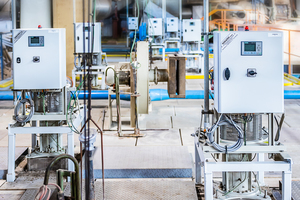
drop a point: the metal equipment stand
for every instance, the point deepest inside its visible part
(13, 130)
(203, 163)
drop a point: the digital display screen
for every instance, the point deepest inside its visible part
(250, 46)
(192, 24)
(35, 40)
(155, 22)
(132, 20)
(172, 20)
(86, 28)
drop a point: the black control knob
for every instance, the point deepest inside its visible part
(252, 72)
(36, 59)
(227, 73)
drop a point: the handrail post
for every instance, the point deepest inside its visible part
(290, 67)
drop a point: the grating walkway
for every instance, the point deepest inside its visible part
(171, 189)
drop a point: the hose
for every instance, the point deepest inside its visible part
(279, 126)
(225, 120)
(24, 118)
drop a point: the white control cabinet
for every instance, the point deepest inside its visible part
(155, 27)
(133, 23)
(39, 58)
(248, 72)
(87, 36)
(172, 24)
(191, 29)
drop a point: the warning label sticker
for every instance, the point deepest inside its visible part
(227, 40)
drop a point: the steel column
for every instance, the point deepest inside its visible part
(1, 57)
(206, 63)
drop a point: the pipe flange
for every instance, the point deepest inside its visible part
(88, 141)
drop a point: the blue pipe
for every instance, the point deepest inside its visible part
(96, 94)
(162, 94)
(155, 95)
(103, 94)
(167, 50)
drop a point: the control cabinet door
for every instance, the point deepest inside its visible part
(249, 67)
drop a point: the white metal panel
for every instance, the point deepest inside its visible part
(240, 93)
(49, 72)
(5, 26)
(142, 77)
(35, 12)
(155, 26)
(133, 23)
(79, 37)
(172, 24)
(191, 29)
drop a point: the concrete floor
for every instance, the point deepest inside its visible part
(179, 117)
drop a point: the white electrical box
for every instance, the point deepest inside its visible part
(87, 36)
(172, 24)
(133, 23)
(155, 27)
(39, 58)
(191, 30)
(248, 72)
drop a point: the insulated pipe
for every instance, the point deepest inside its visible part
(155, 95)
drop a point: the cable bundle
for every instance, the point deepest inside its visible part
(24, 118)
(225, 120)
(45, 192)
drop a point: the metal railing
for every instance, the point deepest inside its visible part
(291, 49)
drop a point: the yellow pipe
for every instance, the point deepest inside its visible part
(291, 78)
(194, 76)
(288, 84)
(7, 83)
(116, 55)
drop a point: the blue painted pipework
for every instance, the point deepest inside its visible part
(167, 50)
(155, 95)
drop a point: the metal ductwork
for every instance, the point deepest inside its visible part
(104, 9)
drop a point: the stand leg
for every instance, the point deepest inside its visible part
(71, 166)
(198, 176)
(260, 174)
(286, 185)
(10, 177)
(208, 185)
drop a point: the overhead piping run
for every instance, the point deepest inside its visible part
(206, 64)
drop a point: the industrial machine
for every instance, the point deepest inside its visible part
(91, 34)
(156, 38)
(172, 40)
(191, 37)
(42, 98)
(133, 79)
(238, 140)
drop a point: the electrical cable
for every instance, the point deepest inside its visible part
(279, 125)
(135, 33)
(24, 118)
(225, 120)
